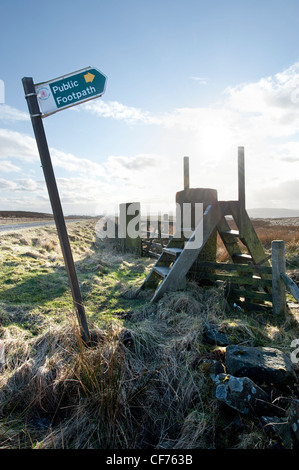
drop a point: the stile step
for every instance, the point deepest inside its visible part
(172, 251)
(242, 257)
(231, 233)
(161, 270)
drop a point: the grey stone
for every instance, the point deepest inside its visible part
(212, 367)
(262, 365)
(280, 428)
(294, 417)
(241, 394)
(212, 335)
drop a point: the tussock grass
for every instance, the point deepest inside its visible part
(142, 383)
(134, 388)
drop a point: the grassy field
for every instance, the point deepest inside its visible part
(143, 382)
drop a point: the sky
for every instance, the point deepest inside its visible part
(184, 78)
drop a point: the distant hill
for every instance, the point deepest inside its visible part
(263, 213)
(36, 215)
(272, 213)
(25, 214)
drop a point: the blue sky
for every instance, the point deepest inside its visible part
(188, 77)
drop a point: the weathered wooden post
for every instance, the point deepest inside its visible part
(165, 226)
(241, 187)
(129, 227)
(159, 226)
(186, 173)
(278, 268)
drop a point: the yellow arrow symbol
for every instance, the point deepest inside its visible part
(89, 77)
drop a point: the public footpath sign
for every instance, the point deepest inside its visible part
(44, 99)
(70, 90)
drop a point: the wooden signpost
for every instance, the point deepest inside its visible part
(45, 99)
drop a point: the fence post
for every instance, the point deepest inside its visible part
(278, 268)
(186, 173)
(148, 227)
(129, 227)
(159, 226)
(165, 226)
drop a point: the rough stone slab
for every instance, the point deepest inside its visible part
(262, 365)
(212, 335)
(241, 394)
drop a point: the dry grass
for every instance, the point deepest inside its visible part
(134, 388)
(139, 386)
(142, 383)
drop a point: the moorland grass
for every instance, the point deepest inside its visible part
(143, 381)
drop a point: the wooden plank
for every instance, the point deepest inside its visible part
(249, 281)
(253, 295)
(254, 307)
(291, 286)
(152, 254)
(154, 244)
(247, 268)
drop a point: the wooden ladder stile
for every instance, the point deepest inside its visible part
(254, 256)
(170, 270)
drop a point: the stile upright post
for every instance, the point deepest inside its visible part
(278, 268)
(241, 187)
(186, 173)
(241, 177)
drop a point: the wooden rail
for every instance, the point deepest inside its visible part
(291, 286)
(155, 235)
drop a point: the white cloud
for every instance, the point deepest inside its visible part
(7, 185)
(8, 167)
(119, 111)
(122, 168)
(17, 145)
(262, 116)
(8, 113)
(267, 107)
(71, 163)
(24, 184)
(200, 80)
